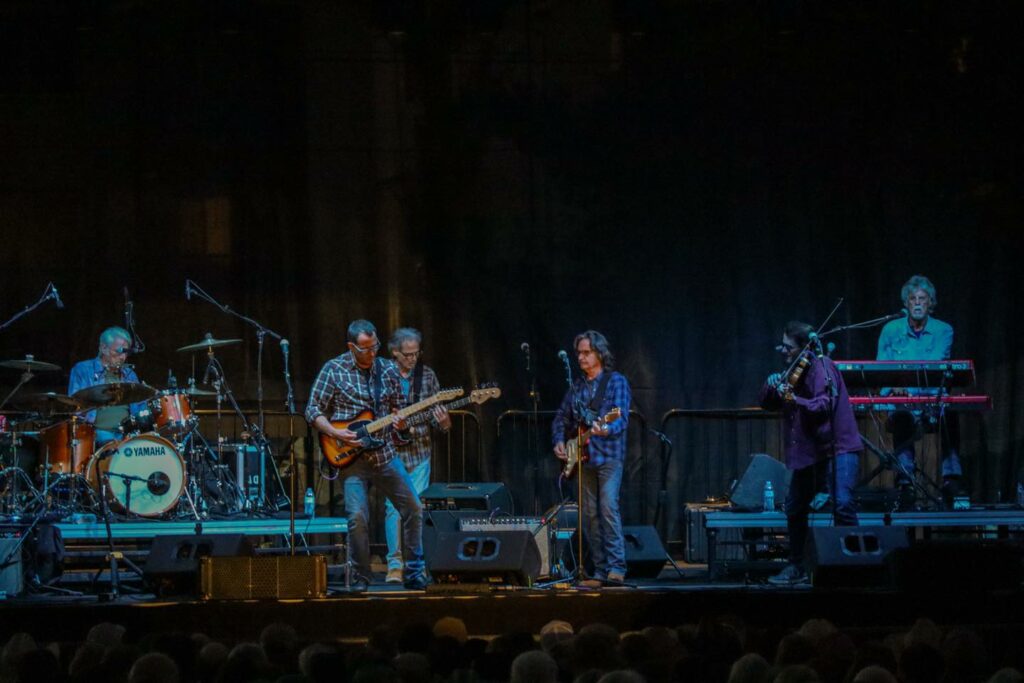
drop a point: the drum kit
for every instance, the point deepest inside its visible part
(158, 465)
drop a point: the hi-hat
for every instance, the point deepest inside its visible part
(29, 363)
(114, 394)
(51, 403)
(209, 343)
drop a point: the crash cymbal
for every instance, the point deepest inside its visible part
(29, 363)
(210, 343)
(114, 394)
(50, 403)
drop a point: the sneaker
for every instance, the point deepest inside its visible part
(358, 584)
(616, 578)
(394, 575)
(416, 581)
(792, 575)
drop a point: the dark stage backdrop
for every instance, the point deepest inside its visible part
(684, 177)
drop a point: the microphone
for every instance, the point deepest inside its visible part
(284, 346)
(206, 375)
(564, 356)
(525, 348)
(188, 291)
(56, 296)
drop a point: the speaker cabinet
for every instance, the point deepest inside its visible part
(748, 493)
(853, 556)
(487, 557)
(645, 555)
(277, 577)
(173, 561)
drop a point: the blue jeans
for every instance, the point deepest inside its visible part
(396, 485)
(602, 521)
(420, 476)
(907, 428)
(806, 483)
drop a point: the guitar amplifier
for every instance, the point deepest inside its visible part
(263, 577)
(484, 496)
(542, 533)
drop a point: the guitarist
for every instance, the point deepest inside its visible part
(597, 393)
(417, 381)
(347, 385)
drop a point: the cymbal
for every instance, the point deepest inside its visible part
(29, 363)
(51, 403)
(196, 391)
(114, 394)
(209, 343)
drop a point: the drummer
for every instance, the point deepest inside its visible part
(108, 366)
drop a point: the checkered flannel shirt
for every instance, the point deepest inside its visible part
(342, 390)
(420, 444)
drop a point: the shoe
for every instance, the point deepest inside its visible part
(358, 584)
(792, 575)
(616, 578)
(416, 581)
(591, 584)
(394, 575)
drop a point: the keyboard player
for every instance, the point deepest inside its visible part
(920, 337)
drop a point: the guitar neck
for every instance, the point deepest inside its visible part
(383, 422)
(420, 419)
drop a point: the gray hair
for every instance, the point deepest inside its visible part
(919, 282)
(108, 335)
(402, 335)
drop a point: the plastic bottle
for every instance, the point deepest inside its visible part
(769, 496)
(309, 503)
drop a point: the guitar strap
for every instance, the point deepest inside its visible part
(376, 384)
(602, 386)
(416, 384)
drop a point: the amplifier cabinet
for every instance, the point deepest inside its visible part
(263, 577)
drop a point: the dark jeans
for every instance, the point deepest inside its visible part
(395, 483)
(806, 483)
(602, 520)
(907, 428)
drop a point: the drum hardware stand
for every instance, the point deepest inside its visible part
(49, 293)
(113, 556)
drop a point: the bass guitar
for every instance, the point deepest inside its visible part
(576, 447)
(341, 454)
(478, 396)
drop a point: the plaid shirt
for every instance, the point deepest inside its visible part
(601, 448)
(420, 443)
(342, 390)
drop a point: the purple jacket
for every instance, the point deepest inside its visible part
(805, 420)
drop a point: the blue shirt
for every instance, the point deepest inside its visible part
(601, 448)
(897, 341)
(89, 373)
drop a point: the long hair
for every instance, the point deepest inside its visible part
(599, 344)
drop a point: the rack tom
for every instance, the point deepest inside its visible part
(65, 448)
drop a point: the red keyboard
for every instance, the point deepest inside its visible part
(978, 402)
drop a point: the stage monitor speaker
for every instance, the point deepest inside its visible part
(277, 577)
(480, 496)
(939, 567)
(173, 560)
(748, 492)
(486, 557)
(853, 556)
(645, 555)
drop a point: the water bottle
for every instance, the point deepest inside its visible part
(769, 496)
(309, 503)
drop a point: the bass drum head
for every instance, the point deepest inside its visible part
(157, 471)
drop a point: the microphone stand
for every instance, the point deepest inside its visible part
(289, 406)
(261, 332)
(579, 408)
(47, 294)
(533, 429)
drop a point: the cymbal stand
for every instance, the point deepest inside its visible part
(26, 377)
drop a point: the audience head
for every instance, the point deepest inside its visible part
(535, 666)
(154, 667)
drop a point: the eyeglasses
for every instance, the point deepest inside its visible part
(368, 349)
(411, 354)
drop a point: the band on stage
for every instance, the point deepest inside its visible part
(114, 445)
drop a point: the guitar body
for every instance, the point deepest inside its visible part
(339, 453)
(574, 454)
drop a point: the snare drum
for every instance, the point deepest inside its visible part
(153, 467)
(173, 412)
(66, 446)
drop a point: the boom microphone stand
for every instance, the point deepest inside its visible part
(49, 293)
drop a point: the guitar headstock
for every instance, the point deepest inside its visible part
(449, 394)
(613, 415)
(485, 393)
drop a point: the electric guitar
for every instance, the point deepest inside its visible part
(574, 453)
(482, 395)
(341, 454)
